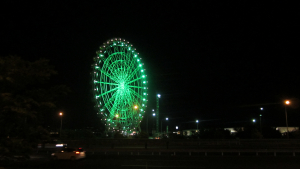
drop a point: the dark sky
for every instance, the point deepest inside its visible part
(214, 61)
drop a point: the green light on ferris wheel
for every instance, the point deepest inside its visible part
(118, 76)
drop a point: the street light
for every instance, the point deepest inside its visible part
(253, 120)
(287, 102)
(167, 119)
(260, 122)
(260, 118)
(60, 114)
(157, 114)
(161, 125)
(153, 124)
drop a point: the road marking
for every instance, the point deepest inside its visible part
(165, 160)
(159, 166)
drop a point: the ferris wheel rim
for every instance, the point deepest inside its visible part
(110, 84)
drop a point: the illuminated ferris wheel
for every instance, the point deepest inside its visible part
(120, 85)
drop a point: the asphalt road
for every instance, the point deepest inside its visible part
(166, 161)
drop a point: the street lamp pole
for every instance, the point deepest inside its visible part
(153, 126)
(197, 121)
(260, 119)
(287, 102)
(61, 114)
(260, 122)
(157, 113)
(167, 126)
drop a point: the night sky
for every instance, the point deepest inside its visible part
(218, 62)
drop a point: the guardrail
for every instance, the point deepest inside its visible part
(207, 152)
(201, 143)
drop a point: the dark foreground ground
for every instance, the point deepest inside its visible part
(138, 154)
(165, 160)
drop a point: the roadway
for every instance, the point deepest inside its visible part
(165, 160)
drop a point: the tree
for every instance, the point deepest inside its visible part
(26, 97)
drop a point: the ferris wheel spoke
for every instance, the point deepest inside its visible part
(136, 101)
(102, 94)
(119, 103)
(133, 73)
(136, 94)
(134, 80)
(109, 103)
(108, 83)
(130, 65)
(129, 68)
(130, 99)
(138, 87)
(108, 75)
(115, 71)
(110, 65)
(122, 69)
(112, 74)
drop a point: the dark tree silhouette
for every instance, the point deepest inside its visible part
(26, 97)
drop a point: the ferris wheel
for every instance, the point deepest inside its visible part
(120, 85)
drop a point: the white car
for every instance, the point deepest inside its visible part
(69, 154)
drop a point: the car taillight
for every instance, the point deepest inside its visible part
(77, 152)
